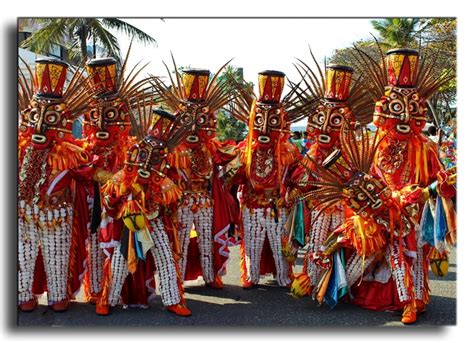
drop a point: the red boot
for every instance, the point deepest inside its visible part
(93, 298)
(101, 310)
(60, 306)
(29, 306)
(217, 283)
(179, 309)
(409, 314)
(248, 285)
(420, 307)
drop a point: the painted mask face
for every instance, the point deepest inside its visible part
(203, 123)
(107, 123)
(366, 195)
(325, 123)
(47, 121)
(148, 158)
(400, 112)
(269, 123)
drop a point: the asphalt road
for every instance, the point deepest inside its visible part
(265, 306)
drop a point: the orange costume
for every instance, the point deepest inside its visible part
(265, 161)
(50, 163)
(408, 163)
(204, 213)
(107, 134)
(333, 98)
(139, 195)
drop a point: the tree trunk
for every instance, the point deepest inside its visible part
(93, 47)
(83, 37)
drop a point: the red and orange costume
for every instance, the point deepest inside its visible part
(50, 161)
(107, 134)
(378, 235)
(265, 161)
(139, 195)
(408, 163)
(204, 213)
(334, 99)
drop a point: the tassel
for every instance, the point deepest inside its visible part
(248, 148)
(132, 257)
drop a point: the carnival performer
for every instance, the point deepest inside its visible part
(205, 211)
(50, 161)
(378, 231)
(107, 133)
(408, 163)
(138, 194)
(334, 99)
(266, 159)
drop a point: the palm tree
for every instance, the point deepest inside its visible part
(73, 34)
(398, 32)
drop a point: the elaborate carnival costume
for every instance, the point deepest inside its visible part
(203, 213)
(265, 161)
(378, 235)
(107, 134)
(50, 159)
(139, 195)
(408, 163)
(333, 98)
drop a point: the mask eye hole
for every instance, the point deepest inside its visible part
(33, 116)
(111, 114)
(274, 121)
(201, 119)
(51, 117)
(142, 155)
(413, 107)
(370, 186)
(94, 114)
(319, 118)
(336, 120)
(156, 157)
(259, 119)
(187, 119)
(361, 196)
(396, 107)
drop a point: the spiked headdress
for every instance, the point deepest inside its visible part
(403, 68)
(193, 86)
(335, 85)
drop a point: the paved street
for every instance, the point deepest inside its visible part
(267, 305)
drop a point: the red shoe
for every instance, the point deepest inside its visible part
(29, 306)
(409, 314)
(248, 285)
(102, 310)
(217, 283)
(179, 309)
(60, 306)
(420, 307)
(93, 298)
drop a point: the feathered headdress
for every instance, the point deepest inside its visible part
(49, 84)
(242, 106)
(334, 85)
(110, 82)
(403, 68)
(193, 86)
